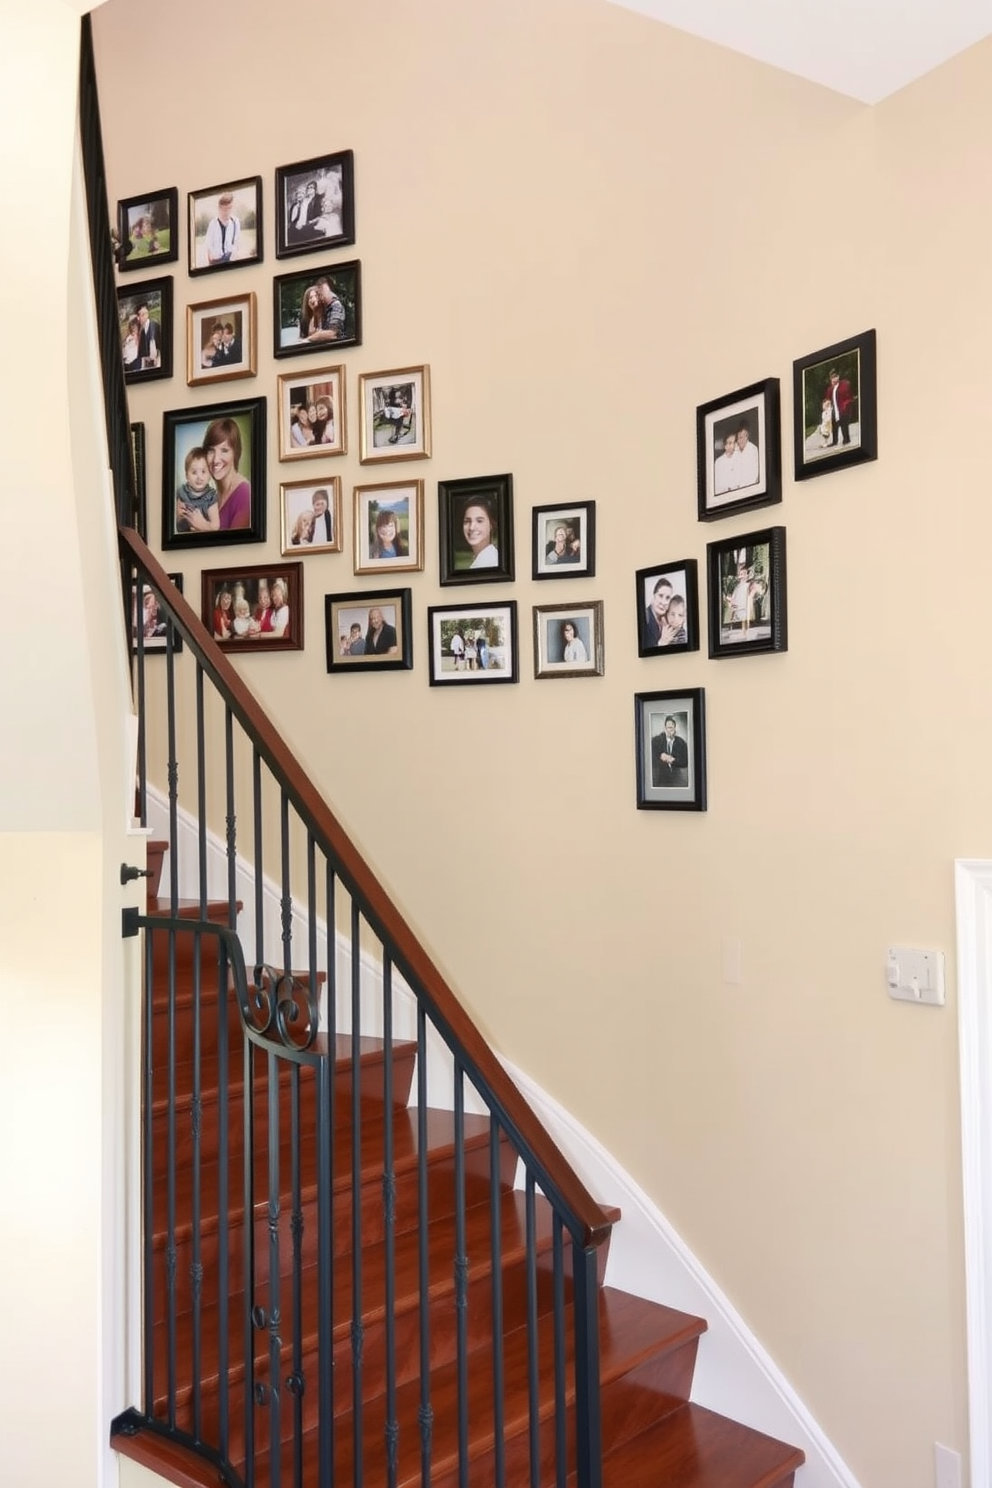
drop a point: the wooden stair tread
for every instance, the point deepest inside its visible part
(695, 1448)
(371, 1055)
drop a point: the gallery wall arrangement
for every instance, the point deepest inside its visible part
(214, 477)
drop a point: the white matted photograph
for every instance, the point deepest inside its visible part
(564, 541)
(311, 516)
(389, 527)
(670, 747)
(221, 338)
(473, 644)
(568, 640)
(739, 451)
(395, 412)
(312, 414)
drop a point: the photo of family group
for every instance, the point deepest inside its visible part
(564, 541)
(389, 522)
(220, 340)
(255, 608)
(738, 447)
(835, 406)
(368, 631)
(213, 474)
(318, 310)
(667, 609)
(311, 516)
(144, 321)
(146, 230)
(670, 745)
(225, 226)
(568, 640)
(475, 643)
(747, 593)
(315, 204)
(312, 414)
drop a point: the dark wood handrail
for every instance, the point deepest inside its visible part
(380, 911)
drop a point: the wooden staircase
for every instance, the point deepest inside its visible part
(651, 1433)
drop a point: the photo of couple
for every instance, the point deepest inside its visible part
(318, 310)
(144, 323)
(368, 631)
(315, 204)
(738, 450)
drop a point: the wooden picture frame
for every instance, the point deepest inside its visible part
(310, 512)
(389, 527)
(221, 339)
(475, 529)
(148, 230)
(230, 437)
(315, 204)
(144, 323)
(254, 607)
(313, 419)
(356, 643)
(670, 749)
(395, 415)
(568, 640)
(225, 226)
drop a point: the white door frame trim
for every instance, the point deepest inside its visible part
(973, 895)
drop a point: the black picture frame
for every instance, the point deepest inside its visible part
(739, 451)
(496, 663)
(746, 583)
(288, 294)
(328, 224)
(492, 495)
(139, 508)
(146, 347)
(239, 608)
(245, 245)
(148, 230)
(670, 767)
(184, 429)
(824, 443)
(659, 587)
(563, 541)
(154, 640)
(349, 613)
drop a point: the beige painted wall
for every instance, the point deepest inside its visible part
(587, 225)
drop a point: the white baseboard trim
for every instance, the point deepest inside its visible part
(973, 896)
(734, 1374)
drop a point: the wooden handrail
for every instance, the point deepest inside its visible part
(380, 911)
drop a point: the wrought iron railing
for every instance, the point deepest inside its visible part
(272, 1346)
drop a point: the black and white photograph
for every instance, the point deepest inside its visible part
(670, 750)
(315, 204)
(834, 394)
(667, 608)
(739, 451)
(747, 602)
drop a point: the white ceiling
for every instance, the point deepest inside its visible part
(864, 48)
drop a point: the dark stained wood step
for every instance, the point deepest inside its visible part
(696, 1448)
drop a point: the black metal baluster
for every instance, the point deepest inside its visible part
(533, 1381)
(196, 1109)
(249, 1310)
(496, 1235)
(258, 865)
(461, 1276)
(231, 822)
(173, 777)
(295, 1381)
(223, 1210)
(326, 1092)
(142, 761)
(588, 1425)
(274, 1319)
(389, 1208)
(170, 1184)
(558, 1273)
(357, 1325)
(426, 1413)
(148, 1195)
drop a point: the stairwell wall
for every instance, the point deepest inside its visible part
(587, 224)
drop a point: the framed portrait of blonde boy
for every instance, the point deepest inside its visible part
(389, 527)
(311, 516)
(221, 339)
(312, 415)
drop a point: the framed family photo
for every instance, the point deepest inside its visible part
(256, 608)
(564, 541)
(139, 489)
(667, 608)
(389, 527)
(670, 750)
(475, 644)
(476, 529)
(213, 474)
(568, 640)
(147, 229)
(395, 415)
(144, 323)
(312, 418)
(311, 516)
(369, 632)
(739, 451)
(225, 226)
(317, 309)
(315, 204)
(835, 407)
(149, 623)
(747, 603)
(221, 340)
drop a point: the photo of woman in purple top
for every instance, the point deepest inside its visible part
(222, 443)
